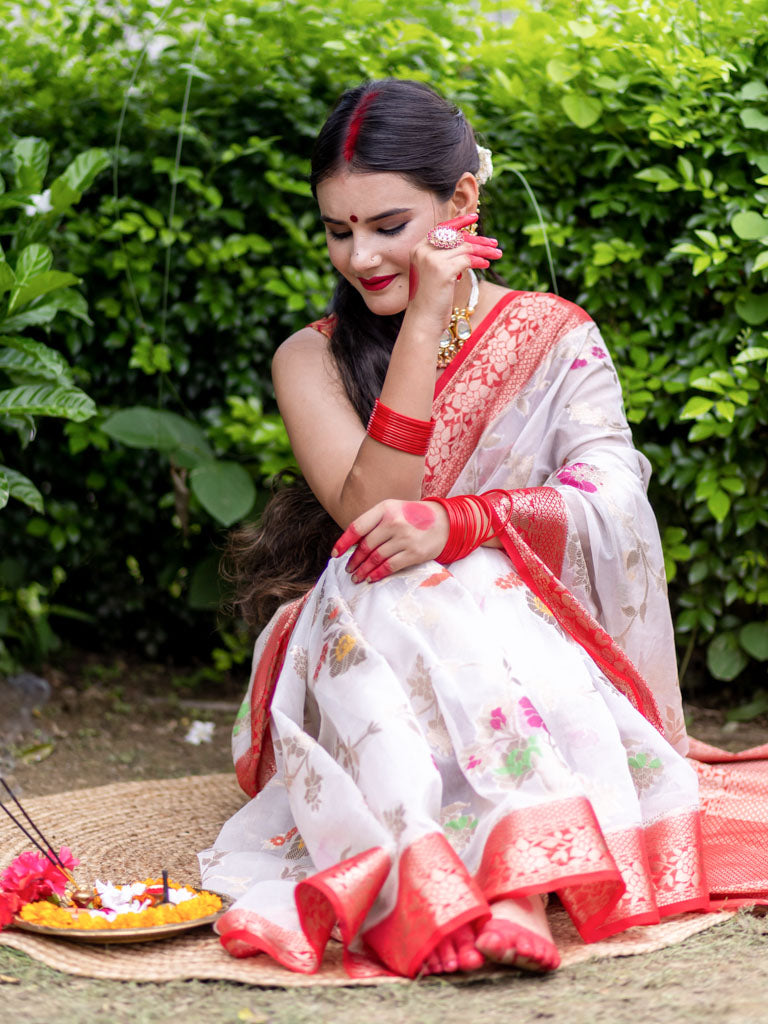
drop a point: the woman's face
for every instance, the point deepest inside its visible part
(372, 223)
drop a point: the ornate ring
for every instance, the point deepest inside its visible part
(444, 238)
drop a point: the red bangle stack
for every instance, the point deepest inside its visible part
(395, 430)
(470, 524)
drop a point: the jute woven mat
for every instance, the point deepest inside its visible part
(135, 829)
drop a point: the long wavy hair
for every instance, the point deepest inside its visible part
(391, 126)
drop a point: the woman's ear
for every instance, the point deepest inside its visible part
(465, 195)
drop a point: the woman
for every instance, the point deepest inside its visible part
(476, 705)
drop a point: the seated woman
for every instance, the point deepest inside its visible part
(476, 704)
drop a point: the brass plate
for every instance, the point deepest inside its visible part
(115, 936)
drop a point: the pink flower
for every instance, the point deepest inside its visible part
(532, 716)
(577, 475)
(9, 905)
(33, 877)
(473, 762)
(578, 363)
(498, 719)
(599, 353)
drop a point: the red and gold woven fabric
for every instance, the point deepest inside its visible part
(607, 884)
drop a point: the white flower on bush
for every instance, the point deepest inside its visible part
(39, 203)
(485, 170)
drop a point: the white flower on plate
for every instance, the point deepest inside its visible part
(120, 899)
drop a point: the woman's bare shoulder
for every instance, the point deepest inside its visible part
(302, 343)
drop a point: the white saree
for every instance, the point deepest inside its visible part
(511, 724)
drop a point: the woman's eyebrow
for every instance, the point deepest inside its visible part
(369, 220)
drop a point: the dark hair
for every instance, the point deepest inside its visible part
(395, 126)
(387, 126)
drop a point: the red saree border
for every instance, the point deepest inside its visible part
(245, 933)
(540, 516)
(517, 335)
(435, 896)
(467, 348)
(575, 619)
(344, 892)
(607, 882)
(256, 767)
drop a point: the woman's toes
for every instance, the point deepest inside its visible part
(508, 943)
(469, 958)
(447, 953)
(432, 965)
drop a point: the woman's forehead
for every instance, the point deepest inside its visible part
(363, 195)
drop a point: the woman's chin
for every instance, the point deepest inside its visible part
(385, 302)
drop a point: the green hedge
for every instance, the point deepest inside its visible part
(639, 127)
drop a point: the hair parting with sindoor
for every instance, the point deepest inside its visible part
(388, 126)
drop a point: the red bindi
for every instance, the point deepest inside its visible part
(353, 218)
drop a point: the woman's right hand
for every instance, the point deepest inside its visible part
(434, 272)
(393, 535)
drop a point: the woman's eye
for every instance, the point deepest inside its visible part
(392, 231)
(339, 235)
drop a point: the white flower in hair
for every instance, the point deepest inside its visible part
(485, 170)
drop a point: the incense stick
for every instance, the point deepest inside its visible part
(49, 853)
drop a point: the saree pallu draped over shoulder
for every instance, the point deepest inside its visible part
(507, 725)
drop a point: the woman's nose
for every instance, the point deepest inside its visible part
(364, 258)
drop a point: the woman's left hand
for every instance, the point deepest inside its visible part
(393, 535)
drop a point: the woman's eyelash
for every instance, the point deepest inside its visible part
(384, 231)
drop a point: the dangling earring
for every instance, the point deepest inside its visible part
(472, 228)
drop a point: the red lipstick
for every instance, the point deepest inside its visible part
(375, 284)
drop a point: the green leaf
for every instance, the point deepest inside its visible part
(72, 302)
(47, 400)
(582, 110)
(752, 118)
(39, 285)
(754, 90)
(760, 263)
(751, 355)
(5, 488)
(582, 29)
(34, 359)
(33, 259)
(559, 72)
(719, 504)
(754, 639)
(22, 488)
(78, 176)
(30, 161)
(695, 407)
(7, 277)
(709, 237)
(655, 174)
(753, 309)
(142, 427)
(224, 489)
(749, 225)
(34, 317)
(725, 659)
(747, 712)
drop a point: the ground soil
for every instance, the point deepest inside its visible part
(121, 722)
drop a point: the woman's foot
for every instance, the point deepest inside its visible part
(518, 935)
(455, 953)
